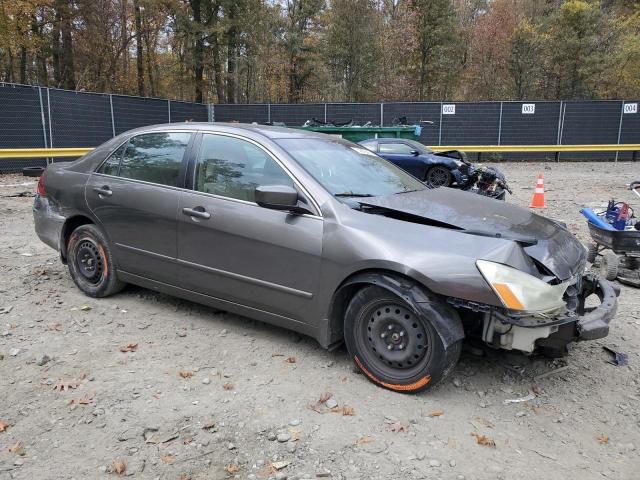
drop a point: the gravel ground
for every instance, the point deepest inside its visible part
(150, 386)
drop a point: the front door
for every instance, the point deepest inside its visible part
(134, 194)
(233, 249)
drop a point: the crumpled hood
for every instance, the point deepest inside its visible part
(556, 248)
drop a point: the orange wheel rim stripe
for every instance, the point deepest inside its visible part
(402, 388)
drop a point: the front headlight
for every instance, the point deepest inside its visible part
(458, 163)
(520, 291)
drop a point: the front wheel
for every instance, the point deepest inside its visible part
(438, 176)
(91, 262)
(394, 346)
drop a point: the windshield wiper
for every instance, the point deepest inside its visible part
(350, 194)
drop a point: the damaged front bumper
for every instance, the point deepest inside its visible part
(507, 330)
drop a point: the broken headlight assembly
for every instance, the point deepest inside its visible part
(522, 292)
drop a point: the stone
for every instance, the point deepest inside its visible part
(331, 403)
(14, 351)
(294, 422)
(42, 359)
(283, 437)
(291, 447)
(206, 380)
(434, 463)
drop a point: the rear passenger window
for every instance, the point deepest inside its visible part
(111, 166)
(154, 157)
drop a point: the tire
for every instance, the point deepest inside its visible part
(609, 266)
(592, 253)
(91, 262)
(438, 176)
(395, 347)
(32, 171)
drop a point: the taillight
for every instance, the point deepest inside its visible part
(41, 191)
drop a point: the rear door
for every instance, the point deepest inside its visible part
(233, 249)
(135, 195)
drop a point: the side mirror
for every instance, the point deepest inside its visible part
(415, 153)
(278, 197)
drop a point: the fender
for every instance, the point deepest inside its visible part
(422, 301)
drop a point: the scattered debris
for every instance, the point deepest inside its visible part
(185, 373)
(526, 398)
(552, 372)
(18, 448)
(436, 413)
(231, 469)
(130, 347)
(6, 309)
(603, 439)
(86, 399)
(168, 459)
(119, 467)
(156, 438)
(364, 440)
(209, 425)
(14, 352)
(291, 360)
(619, 359)
(42, 359)
(398, 427)
(483, 440)
(64, 385)
(228, 386)
(347, 411)
(3, 426)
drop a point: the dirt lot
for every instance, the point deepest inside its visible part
(248, 404)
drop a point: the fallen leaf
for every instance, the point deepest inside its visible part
(436, 413)
(398, 427)
(277, 354)
(57, 327)
(168, 459)
(209, 425)
(86, 399)
(483, 440)
(185, 373)
(131, 347)
(3, 426)
(119, 467)
(63, 385)
(85, 308)
(17, 448)
(184, 476)
(231, 469)
(228, 386)
(603, 439)
(325, 396)
(291, 360)
(364, 440)
(348, 411)
(317, 406)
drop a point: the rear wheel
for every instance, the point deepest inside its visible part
(91, 262)
(438, 176)
(394, 346)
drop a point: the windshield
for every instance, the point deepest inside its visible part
(346, 169)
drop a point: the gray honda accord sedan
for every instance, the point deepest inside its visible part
(322, 236)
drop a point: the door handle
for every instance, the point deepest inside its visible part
(103, 191)
(197, 212)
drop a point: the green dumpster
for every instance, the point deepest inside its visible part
(357, 134)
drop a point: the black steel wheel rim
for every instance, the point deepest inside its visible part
(438, 177)
(393, 339)
(89, 261)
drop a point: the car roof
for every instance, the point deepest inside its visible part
(264, 130)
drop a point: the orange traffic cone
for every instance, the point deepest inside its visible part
(538, 196)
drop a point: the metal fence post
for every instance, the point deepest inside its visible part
(269, 112)
(325, 113)
(620, 128)
(381, 114)
(169, 109)
(113, 122)
(44, 125)
(500, 125)
(440, 127)
(49, 114)
(560, 125)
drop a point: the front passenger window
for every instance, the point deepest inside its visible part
(232, 167)
(397, 148)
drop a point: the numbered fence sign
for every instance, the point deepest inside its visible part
(528, 108)
(630, 108)
(448, 109)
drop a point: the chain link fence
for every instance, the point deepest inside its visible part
(35, 117)
(475, 123)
